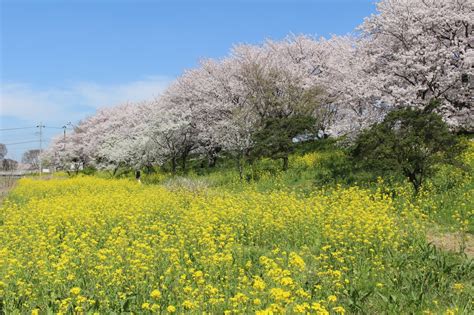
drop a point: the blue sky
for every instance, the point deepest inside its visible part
(61, 60)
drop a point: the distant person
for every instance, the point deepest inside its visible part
(137, 176)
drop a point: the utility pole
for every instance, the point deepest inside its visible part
(64, 129)
(40, 126)
(64, 143)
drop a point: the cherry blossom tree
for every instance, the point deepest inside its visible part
(419, 50)
(109, 139)
(172, 130)
(120, 140)
(3, 151)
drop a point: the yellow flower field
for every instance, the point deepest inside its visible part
(94, 245)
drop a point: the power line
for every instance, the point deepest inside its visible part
(57, 127)
(30, 141)
(50, 127)
(41, 137)
(27, 137)
(18, 128)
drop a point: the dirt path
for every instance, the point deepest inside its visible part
(452, 242)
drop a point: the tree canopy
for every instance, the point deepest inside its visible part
(408, 141)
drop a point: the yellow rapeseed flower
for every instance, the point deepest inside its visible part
(332, 298)
(75, 291)
(155, 294)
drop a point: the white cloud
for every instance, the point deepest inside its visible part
(22, 101)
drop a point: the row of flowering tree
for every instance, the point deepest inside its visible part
(409, 53)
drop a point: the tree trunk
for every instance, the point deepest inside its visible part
(183, 162)
(254, 170)
(212, 160)
(115, 171)
(149, 169)
(240, 166)
(173, 165)
(285, 162)
(416, 186)
(416, 182)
